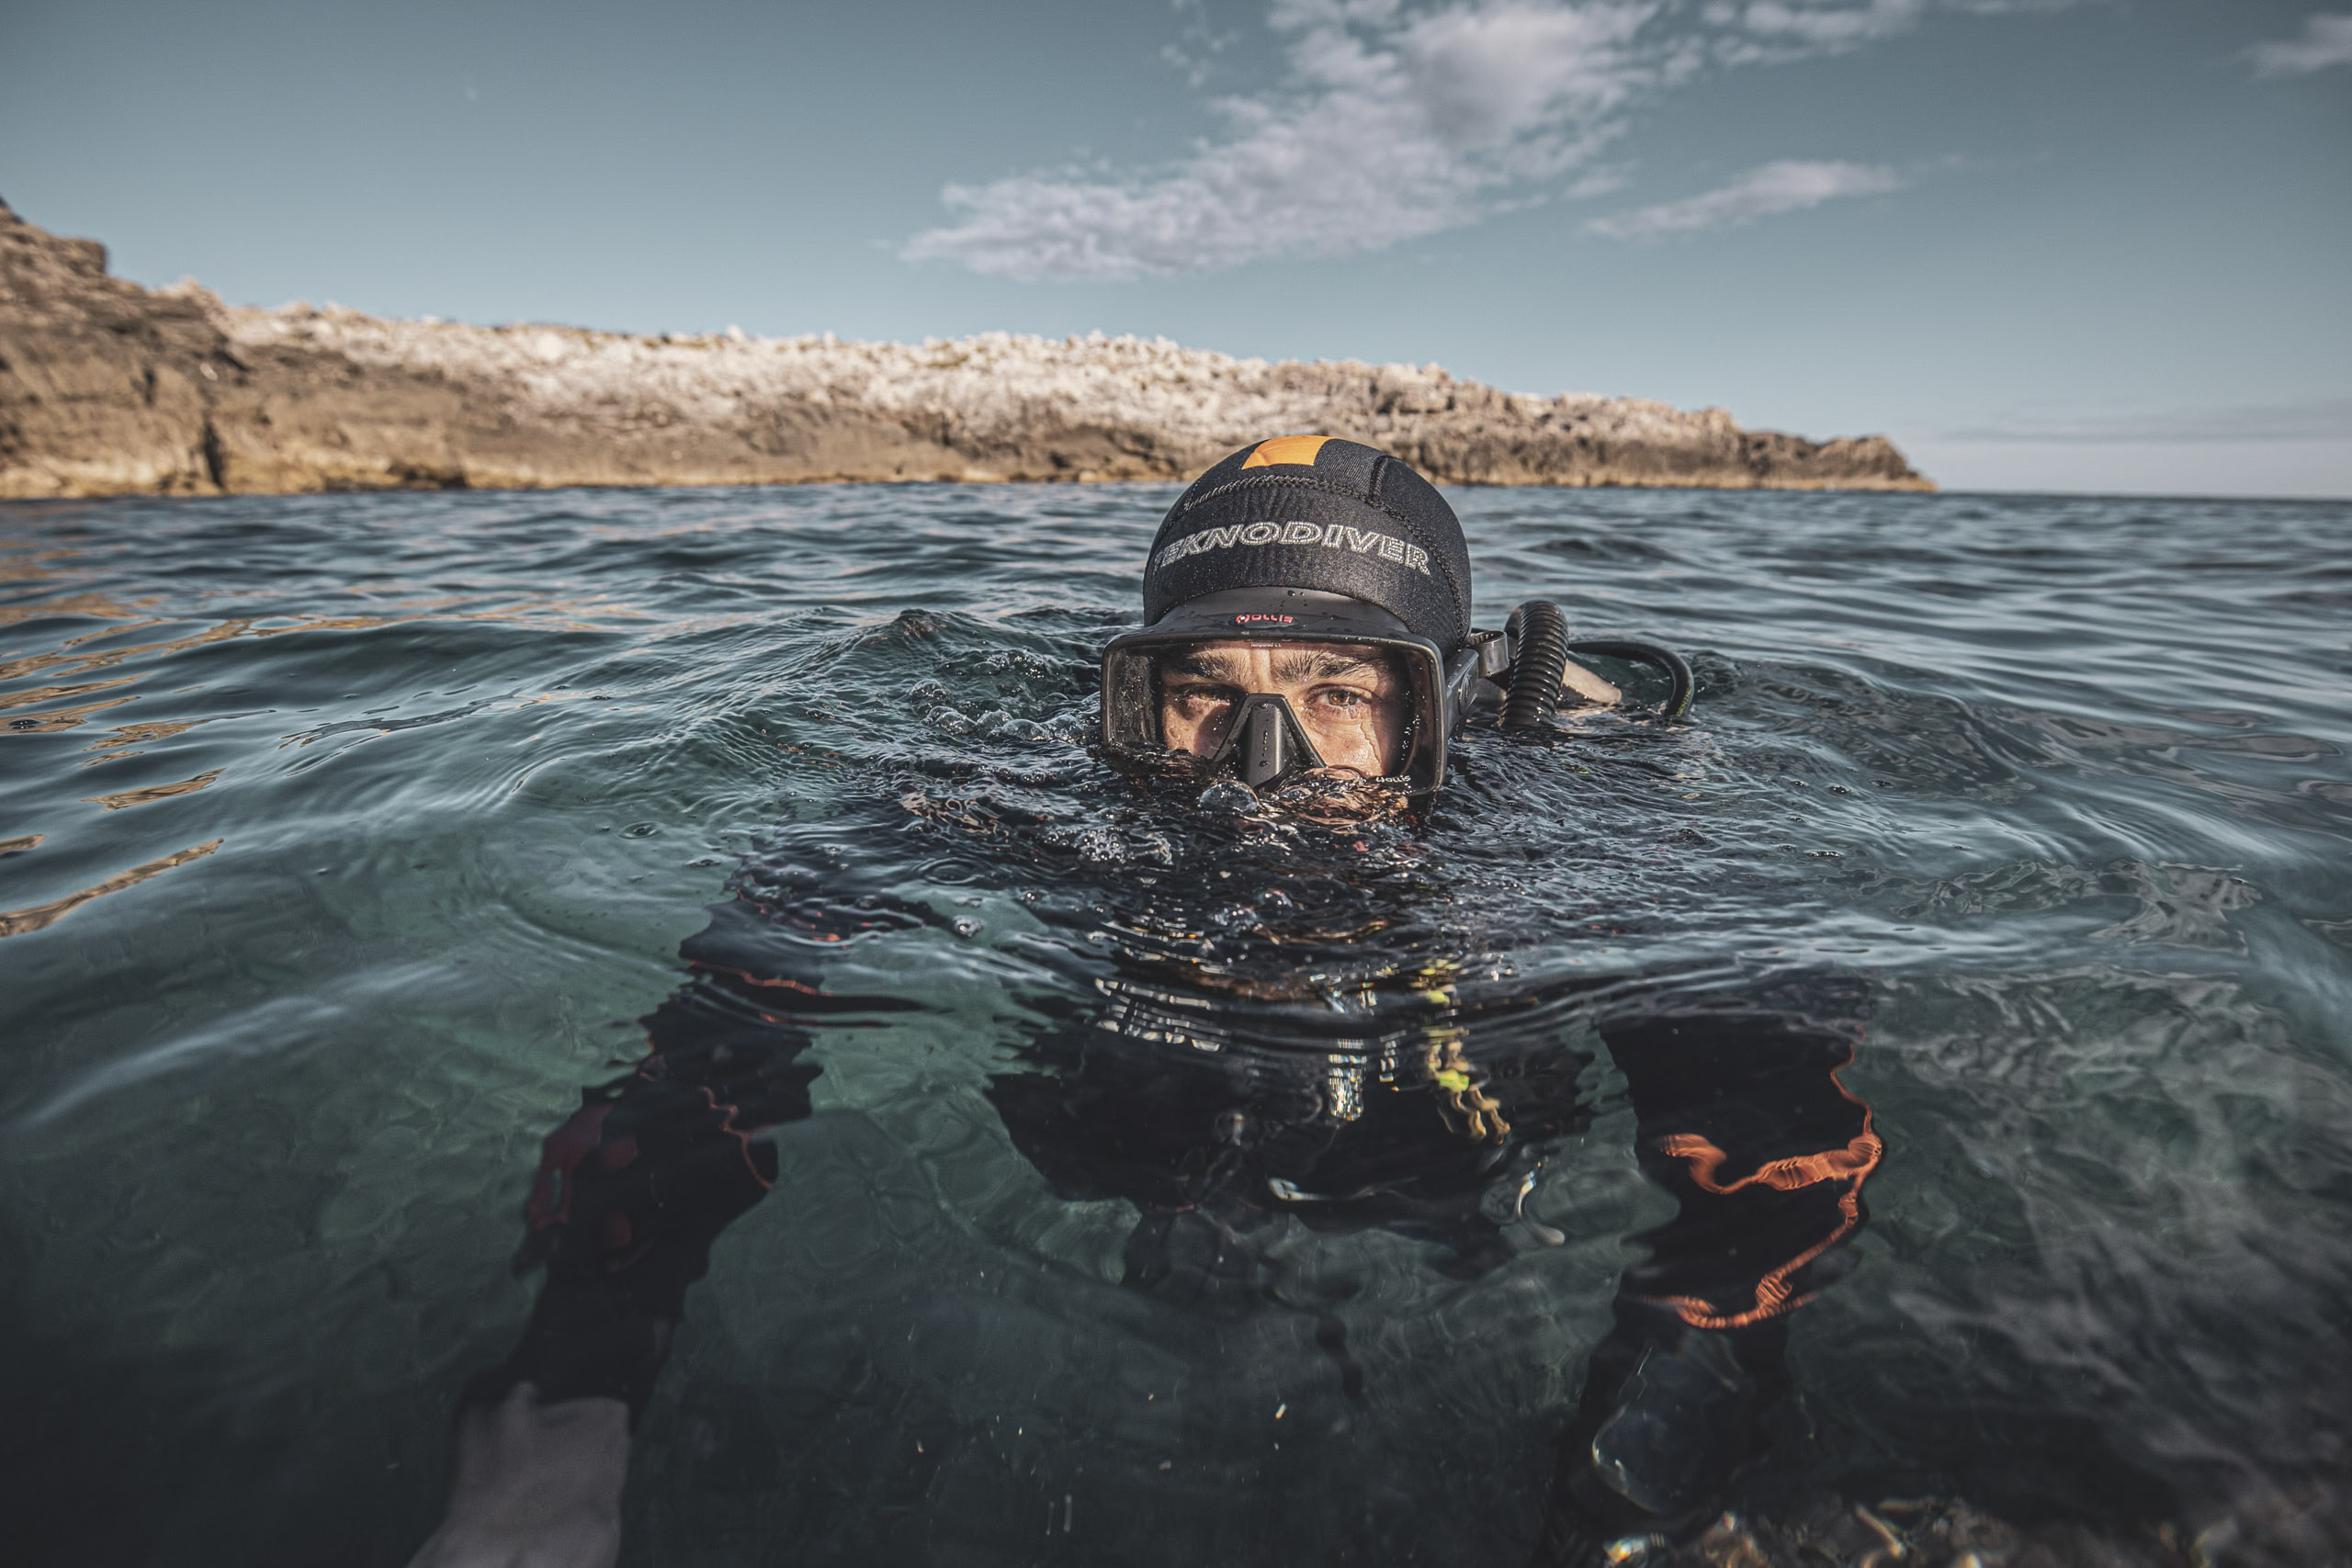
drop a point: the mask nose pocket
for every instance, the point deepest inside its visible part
(1266, 742)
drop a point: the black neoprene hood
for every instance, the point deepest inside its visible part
(1313, 513)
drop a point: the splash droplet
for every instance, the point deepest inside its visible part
(1230, 795)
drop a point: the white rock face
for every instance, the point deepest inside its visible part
(999, 393)
(300, 397)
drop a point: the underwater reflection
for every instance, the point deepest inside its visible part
(1255, 1017)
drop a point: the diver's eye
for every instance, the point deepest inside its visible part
(1341, 698)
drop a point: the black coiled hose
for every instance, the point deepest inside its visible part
(1539, 640)
(1539, 636)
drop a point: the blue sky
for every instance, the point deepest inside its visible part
(2080, 244)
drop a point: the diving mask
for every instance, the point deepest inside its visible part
(1259, 734)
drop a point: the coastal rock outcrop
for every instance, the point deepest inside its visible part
(107, 388)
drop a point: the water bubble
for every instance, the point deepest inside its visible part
(1098, 843)
(1230, 795)
(928, 691)
(948, 719)
(965, 926)
(641, 829)
(1023, 729)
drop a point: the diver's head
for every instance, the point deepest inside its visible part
(1306, 607)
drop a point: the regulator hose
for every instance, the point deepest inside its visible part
(1539, 640)
(1538, 633)
(1678, 701)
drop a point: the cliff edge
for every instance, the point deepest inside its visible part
(108, 389)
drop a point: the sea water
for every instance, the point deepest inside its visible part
(344, 839)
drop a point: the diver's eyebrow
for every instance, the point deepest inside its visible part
(1204, 665)
(1320, 664)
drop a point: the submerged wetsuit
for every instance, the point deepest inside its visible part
(1151, 1098)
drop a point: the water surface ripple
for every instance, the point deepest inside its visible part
(344, 838)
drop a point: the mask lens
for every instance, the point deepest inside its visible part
(1130, 701)
(1145, 677)
(1215, 715)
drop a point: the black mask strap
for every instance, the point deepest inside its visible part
(1266, 742)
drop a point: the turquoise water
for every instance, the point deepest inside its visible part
(347, 838)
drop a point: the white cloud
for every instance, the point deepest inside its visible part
(1198, 43)
(1830, 25)
(1395, 120)
(1789, 185)
(2326, 40)
(1392, 125)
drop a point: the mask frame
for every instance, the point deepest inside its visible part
(1266, 744)
(1437, 687)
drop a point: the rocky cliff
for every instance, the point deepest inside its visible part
(107, 388)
